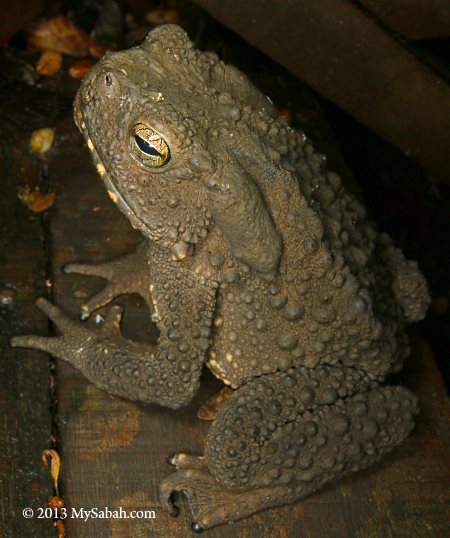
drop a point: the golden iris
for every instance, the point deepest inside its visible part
(150, 147)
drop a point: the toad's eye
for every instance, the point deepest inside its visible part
(148, 146)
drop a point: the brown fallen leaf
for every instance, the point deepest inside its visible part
(97, 51)
(42, 202)
(58, 34)
(55, 502)
(41, 140)
(286, 114)
(162, 15)
(35, 200)
(210, 409)
(7, 297)
(80, 68)
(60, 528)
(49, 63)
(55, 465)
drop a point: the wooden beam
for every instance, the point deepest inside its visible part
(343, 54)
(413, 19)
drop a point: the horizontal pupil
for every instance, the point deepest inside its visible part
(146, 147)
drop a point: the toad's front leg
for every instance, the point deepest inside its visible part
(167, 374)
(129, 274)
(281, 437)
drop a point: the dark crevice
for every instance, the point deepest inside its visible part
(432, 61)
(45, 187)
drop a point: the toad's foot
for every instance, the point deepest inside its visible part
(124, 275)
(210, 503)
(69, 344)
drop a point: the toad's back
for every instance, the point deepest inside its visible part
(343, 293)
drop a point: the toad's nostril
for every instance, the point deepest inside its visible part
(108, 80)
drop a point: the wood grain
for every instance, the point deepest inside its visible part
(25, 418)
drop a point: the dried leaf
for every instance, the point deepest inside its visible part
(60, 35)
(26, 196)
(42, 140)
(97, 51)
(60, 528)
(42, 202)
(49, 63)
(286, 114)
(35, 200)
(210, 409)
(55, 502)
(55, 465)
(7, 297)
(162, 15)
(80, 68)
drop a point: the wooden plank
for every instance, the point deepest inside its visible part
(414, 19)
(114, 450)
(25, 418)
(348, 58)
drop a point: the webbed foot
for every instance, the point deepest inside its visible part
(209, 502)
(76, 338)
(128, 274)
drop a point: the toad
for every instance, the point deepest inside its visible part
(255, 262)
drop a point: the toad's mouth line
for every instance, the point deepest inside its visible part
(115, 195)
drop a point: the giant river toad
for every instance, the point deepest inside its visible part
(256, 262)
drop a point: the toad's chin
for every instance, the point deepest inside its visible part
(148, 231)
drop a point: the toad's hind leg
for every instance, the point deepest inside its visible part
(285, 435)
